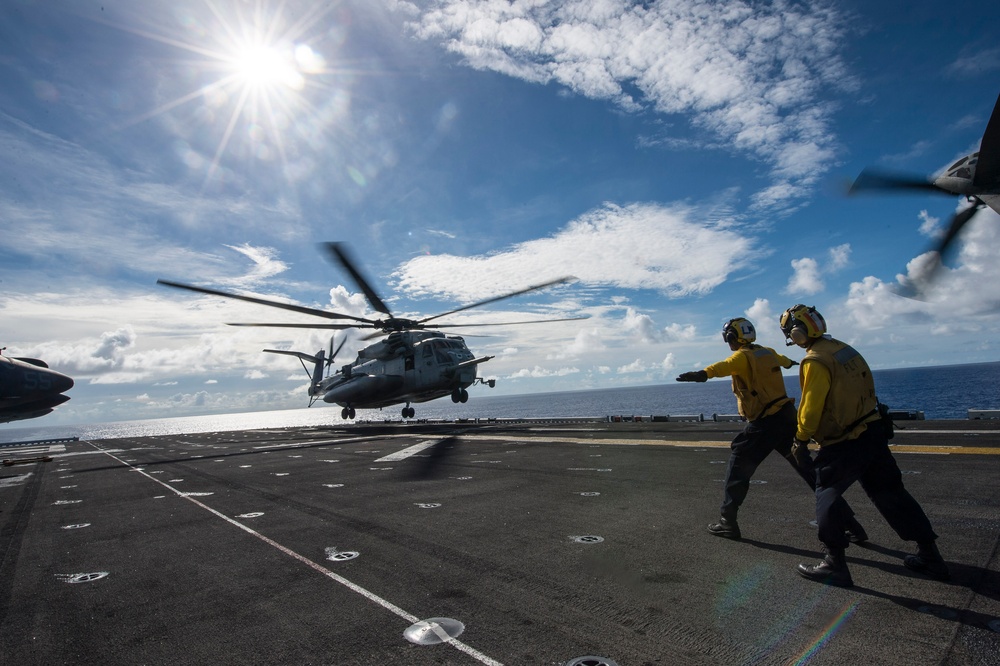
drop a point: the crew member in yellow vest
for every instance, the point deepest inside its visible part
(770, 413)
(839, 411)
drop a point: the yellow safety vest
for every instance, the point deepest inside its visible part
(851, 402)
(762, 393)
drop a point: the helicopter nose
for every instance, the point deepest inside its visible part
(61, 383)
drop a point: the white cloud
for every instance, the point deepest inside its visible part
(765, 320)
(586, 341)
(635, 366)
(977, 64)
(345, 302)
(807, 273)
(640, 325)
(113, 344)
(640, 246)
(760, 311)
(750, 73)
(679, 333)
(805, 278)
(265, 260)
(668, 363)
(967, 291)
(839, 256)
(929, 225)
(539, 372)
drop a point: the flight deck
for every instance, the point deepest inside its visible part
(518, 543)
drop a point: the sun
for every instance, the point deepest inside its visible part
(259, 66)
(262, 66)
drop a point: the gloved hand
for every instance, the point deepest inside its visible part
(696, 376)
(800, 451)
(794, 363)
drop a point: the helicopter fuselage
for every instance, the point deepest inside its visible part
(405, 367)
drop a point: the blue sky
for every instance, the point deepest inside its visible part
(685, 160)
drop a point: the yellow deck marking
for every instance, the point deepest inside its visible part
(716, 444)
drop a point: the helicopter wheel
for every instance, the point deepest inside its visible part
(456, 395)
(344, 413)
(409, 412)
(463, 396)
(351, 413)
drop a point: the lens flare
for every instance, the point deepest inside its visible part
(826, 636)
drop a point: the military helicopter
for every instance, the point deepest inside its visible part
(29, 389)
(975, 176)
(411, 364)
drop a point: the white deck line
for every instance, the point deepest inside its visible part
(354, 587)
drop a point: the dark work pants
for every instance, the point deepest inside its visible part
(868, 460)
(753, 445)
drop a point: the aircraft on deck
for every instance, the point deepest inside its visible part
(412, 364)
(29, 389)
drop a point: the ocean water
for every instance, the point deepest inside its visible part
(941, 392)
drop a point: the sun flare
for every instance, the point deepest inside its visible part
(264, 66)
(260, 69)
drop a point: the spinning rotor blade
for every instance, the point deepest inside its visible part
(340, 255)
(917, 288)
(536, 287)
(334, 327)
(957, 222)
(511, 323)
(262, 301)
(874, 180)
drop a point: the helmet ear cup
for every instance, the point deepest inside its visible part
(798, 334)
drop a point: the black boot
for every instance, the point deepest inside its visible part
(855, 532)
(832, 570)
(928, 561)
(726, 528)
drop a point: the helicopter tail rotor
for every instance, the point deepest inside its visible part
(333, 352)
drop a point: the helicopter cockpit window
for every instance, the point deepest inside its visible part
(962, 168)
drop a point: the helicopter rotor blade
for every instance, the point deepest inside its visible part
(264, 301)
(328, 327)
(341, 255)
(511, 323)
(917, 288)
(958, 221)
(527, 290)
(870, 179)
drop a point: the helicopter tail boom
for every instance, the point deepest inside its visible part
(319, 361)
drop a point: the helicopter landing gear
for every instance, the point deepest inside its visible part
(347, 413)
(409, 412)
(460, 395)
